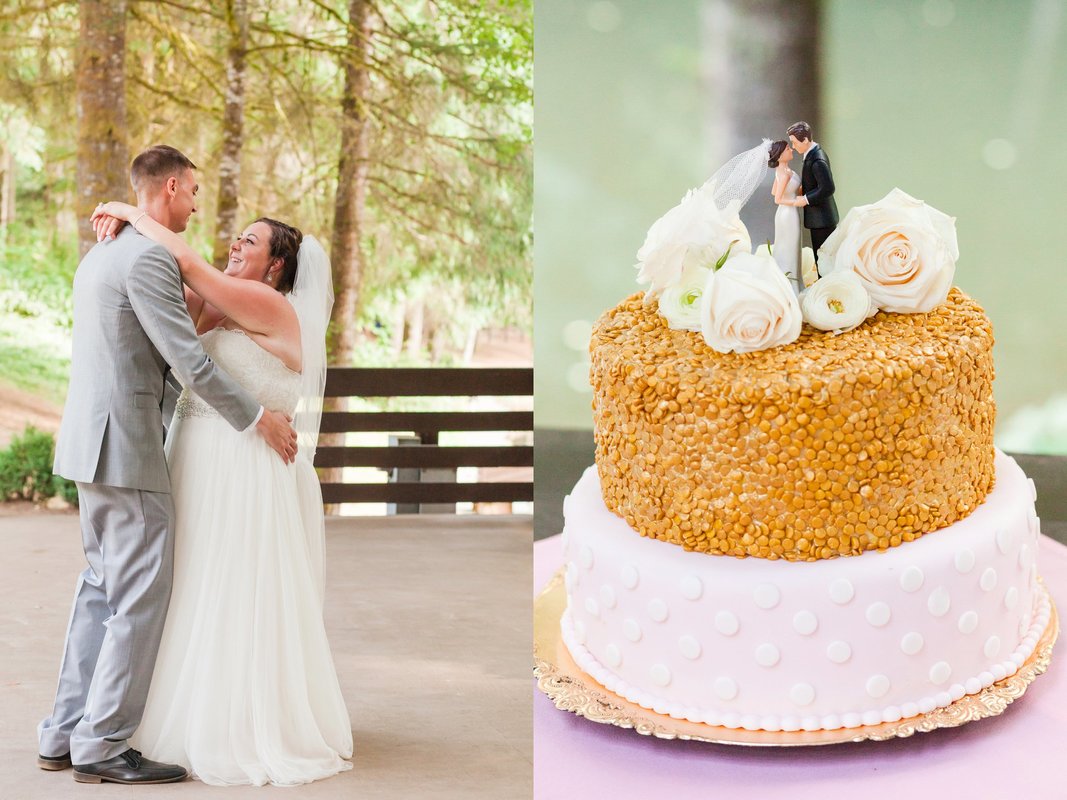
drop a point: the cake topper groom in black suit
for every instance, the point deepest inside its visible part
(817, 183)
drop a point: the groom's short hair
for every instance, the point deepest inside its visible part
(152, 167)
(801, 130)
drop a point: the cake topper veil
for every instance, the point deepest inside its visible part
(738, 179)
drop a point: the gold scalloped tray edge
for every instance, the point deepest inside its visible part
(571, 689)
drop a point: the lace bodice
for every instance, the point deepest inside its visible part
(261, 374)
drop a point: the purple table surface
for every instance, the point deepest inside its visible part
(1015, 755)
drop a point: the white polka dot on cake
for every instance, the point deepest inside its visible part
(726, 623)
(630, 576)
(988, 581)
(657, 610)
(940, 672)
(607, 596)
(802, 694)
(571, 578)
(805, 623)
(767, 655)
(612, 655)
(660, 674)
(692, 588)
(579, 631)
(1003, 538)
(838, 652)
(911, 643)
(878, 614)
(1011, 598)
(725, 688)
(631, 629)
(877, 686)
(585, 556)
(767, 595)
(939, 602)
(964, 561)
(689, 647)
(967, 622)
(1024, 556)
(842, 591)
(911, 580)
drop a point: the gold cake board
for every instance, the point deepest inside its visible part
(571, 689)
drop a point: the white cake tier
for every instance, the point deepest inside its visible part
(779, 645)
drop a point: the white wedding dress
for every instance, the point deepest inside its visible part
(786, 248)
(244, 689)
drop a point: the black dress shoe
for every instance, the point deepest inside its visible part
(129, 767)
(53, 763)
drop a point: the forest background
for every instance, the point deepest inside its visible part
(398, 132)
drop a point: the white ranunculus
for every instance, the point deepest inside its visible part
(749, 305)
(680, 302)
(695, 233)
(903, 250)
(839, 302)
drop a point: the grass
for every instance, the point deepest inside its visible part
(34, 356)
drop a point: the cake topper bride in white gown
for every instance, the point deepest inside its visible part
(786, 249)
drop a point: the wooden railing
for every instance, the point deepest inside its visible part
(427, 426)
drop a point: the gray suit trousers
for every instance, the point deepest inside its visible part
(120, 605)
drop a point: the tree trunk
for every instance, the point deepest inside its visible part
(415, 320)
(7, 186)
(762, 73)
(232, 131)
(346, 251)
(100, 84)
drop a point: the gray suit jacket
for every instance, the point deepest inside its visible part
(130, 322)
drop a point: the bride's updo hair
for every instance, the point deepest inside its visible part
(777, 148)
(284, 243)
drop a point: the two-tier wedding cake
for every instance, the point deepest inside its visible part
(793, 528)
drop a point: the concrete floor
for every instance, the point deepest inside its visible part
(429, 621)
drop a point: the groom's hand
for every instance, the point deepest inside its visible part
(275, 428)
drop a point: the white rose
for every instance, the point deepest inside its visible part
(680, 303)
(696, 232)
(903, 250)
(748, 305)
(807, 266)
(839, 302)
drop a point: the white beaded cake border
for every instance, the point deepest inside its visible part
(572, 689)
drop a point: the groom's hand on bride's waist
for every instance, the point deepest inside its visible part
(276, 428)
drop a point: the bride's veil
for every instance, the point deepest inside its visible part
(737, 180)
(312, 298)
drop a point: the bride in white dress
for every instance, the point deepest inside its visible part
(786, 250)
(244, 689)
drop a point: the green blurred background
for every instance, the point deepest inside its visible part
(962, 104)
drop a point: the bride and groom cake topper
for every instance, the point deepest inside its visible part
(816, 198)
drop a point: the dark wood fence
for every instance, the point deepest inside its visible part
(427, 426)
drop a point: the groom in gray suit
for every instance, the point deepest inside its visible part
(130, 325)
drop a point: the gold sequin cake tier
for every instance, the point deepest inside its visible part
(830, 446)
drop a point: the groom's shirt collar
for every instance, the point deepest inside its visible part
(813, 146)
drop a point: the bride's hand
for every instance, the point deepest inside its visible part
(108, 218)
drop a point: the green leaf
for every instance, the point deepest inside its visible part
(726, 255)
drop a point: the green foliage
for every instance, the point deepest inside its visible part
(26, 469)
(450, 109)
